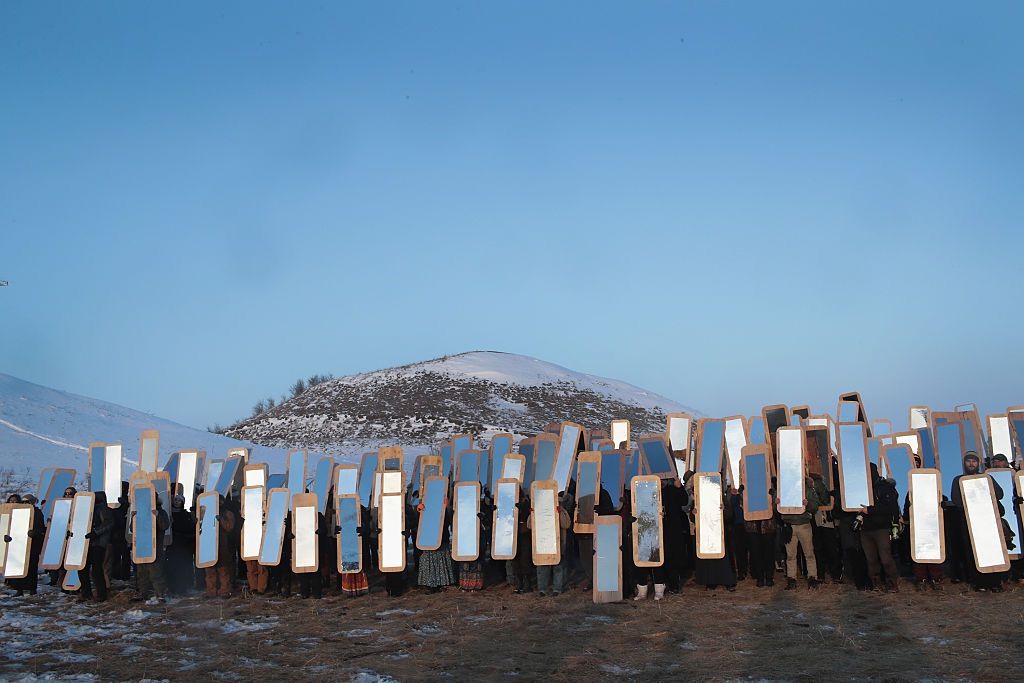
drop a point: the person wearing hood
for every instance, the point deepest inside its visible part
(36, 535)
(152, 574)
(182, 551)
(959, 552)
(220, 577)
(876, 530)
(118, 562)
(93, 576)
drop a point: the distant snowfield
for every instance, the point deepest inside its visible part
(42, 427)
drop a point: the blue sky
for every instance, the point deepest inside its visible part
(733, 204)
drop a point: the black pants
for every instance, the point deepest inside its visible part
(738, 546)
(762, 556)
(94, 574)
(311, 582)
(826, 550)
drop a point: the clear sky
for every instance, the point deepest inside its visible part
(732, 204)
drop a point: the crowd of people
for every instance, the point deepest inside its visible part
(868, 549)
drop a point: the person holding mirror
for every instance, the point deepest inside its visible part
(152, 575)
(181, 554)
(355, 584)
(761, 542)
(551, 578)
(800, 536)
(525, 571)
(36, 536)
(959, 551)
(435, 570)
(220, 577)
(99, 539)
(876, 530)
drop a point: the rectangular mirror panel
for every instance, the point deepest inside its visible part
(854, 474)
(757, 431)
(620, 433)
(1004, 490)
(648, 533)
(588, 482)
(446, 459)
(950, 458)
(276, 481)
(757, 502)
(984, 524)
(460, 442)
(143, 502)
(366, 476)
(791, 471)
(350, 546)
(467, 466)
(678, 426)
(392, 540)
(97, 466)
(899, 461)
(735, 440)
(656, 454)
(506, 520)
(60, 480)
(188, 468)
(252, 521)
(213, 470)
(273, 530)
(709, 516)
(545, 446)
(607, 559)
(305, 555)
(710, 440)
(149, 447)
(927, 544)
(77, 552)
(229, 474)
(512, 467)
(207, 529)
(527, 449)
(547, 548)
(17, 562)
(346, 478)
(430, 531)
(161, 483)
(56, 535)
(322, 482)
(999, 429)
(613, 477)
(255, 475)
(466, 526)
(501, 445)
(296, 472)
(568, 445)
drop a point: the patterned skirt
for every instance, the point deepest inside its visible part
(471, 576)
(353, 585)
(436, 568)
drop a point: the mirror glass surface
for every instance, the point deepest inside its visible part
(149, 455)
(566, 457)
(213, 471)
(392, 543)
(297, 472)
(276, 481)
(756, 486)
(1003, 478)
(874, 449)
(501, 445)
(918, 417)
(144, 522)
(709, 452)
(999, 428)
(512, 468)
(431, 524)
(228, 474)
(391, 482)
(612, 482)
(607, 553)
(484, 470)
(647, 510)
(254, 476)
(81, 524)
(620, 433)
(791, 469)
(855, 492)
(586, 491)
(305, 537)
(927, 451)
(849, 411)
(757, 431)
(679, 433)
(322, 482)
(506, 495)
(18, 548)
(467, 505)
(273, 531)
(171, 466)
(162, 485)
(56, 534)
(545, 521)
(446, 459)
(775, 417)
(71, 581)
(346, 481)
(900, 461)
(5, 527)
(45, 477)
(658, 458)
(59, 481)
(951, 459)
(910, 440)
(468, 464)
(97, 465)
(527, 450)
(392, 464)
(349, 547)
(735, 440)
(544, 461)
(188, 464)
(252, 521)
(207, 504)
(925, 516)
(366, 478)
(709, 515)
(985, 526)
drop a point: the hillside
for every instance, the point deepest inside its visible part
(42, 427)
(481, 392)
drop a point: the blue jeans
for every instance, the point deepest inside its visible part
(544, 578)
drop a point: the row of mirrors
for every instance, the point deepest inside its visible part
(774, 451)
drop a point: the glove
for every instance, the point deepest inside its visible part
(1017, 500)
(481, 515)
(7, 539)
(91, 534)
(359, 530)
(337, 530)
(70, 534)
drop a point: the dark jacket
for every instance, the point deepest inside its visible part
(886, 509)
(102, 522)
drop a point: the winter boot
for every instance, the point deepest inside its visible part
(641, 592)
(659, 591)
(790, 584)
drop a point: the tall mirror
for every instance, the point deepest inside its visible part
(484, 470)
(305, 555)
(898, 460)
(710, 441)
(654, 448)
(391, 459)
(213, 470)
(252, 521)
(757, 482)
(466, 524)
(708, 510)
(984, 524)
(149, 449)
(77, 552)
(588, 482)
(547, 549)
(467, 466)
(207, 531)
(56, 535)
(881, 426)
(513, 467)
(999, 430)
(849, 411)
(97, 465)
(678, 428)
(527, 449)
(568, 446)
(948, 453)
(613, 477)
(391, 548)
(229, 475)
(45, 476)
(276, 481)
(648, 530)
(171, 466)
(874, 445)
(735, 441)
(775, 416)
(187, 475)
(501, 445)
(854, 469)
(545, 446)
(16, 565)
(430, 531)
(297, 472)
(112, 473)
(322, 482)
(927, 536)
(161, 483)
(5, 527)
(607, 559)
(350, 547)
(60, 479)
(392, 482)
(256, 475)
(429, 467)
(273, 530)
(367, 469)
(850, 403)
(143, 516)
(620, 433)
(460, 442)
(909, 439)
(506, 520)
(791, 471)
(446, 458)
(346, 478)
(818, 455)
(1004, 490)
(755, 426)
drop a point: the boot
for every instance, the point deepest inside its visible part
(641, 592)
(891, 586)
(790, 584)
(812, 582)
(659, 591)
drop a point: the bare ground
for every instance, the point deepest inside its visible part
(835, 633)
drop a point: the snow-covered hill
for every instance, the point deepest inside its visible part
(481, 392)
(42, 427)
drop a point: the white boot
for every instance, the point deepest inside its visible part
(641, 592)
(659, 591)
